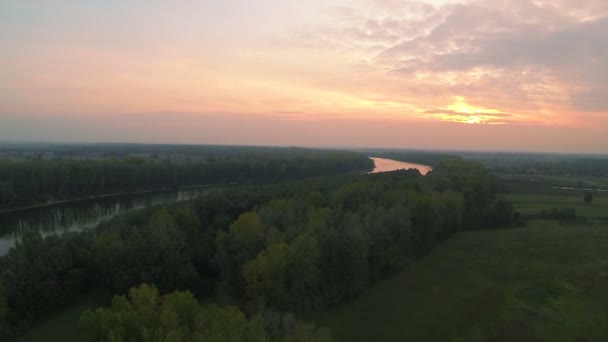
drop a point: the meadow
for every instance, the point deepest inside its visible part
(543, 282)
(532, 195)
(534, 204)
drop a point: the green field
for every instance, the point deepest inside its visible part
(533, 194)
(534, 204)
(550, 181)
(544, 282)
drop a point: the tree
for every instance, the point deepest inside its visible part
(7, 193)
(244, 240)
(344, 254)
(588, 198)
(266, 275)
(284, 327)
(500, 214)
(424, 224)
(3, 313)
(145, 315)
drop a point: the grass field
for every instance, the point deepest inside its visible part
(533, 194)
(533, 204)
(544, 282)
(548, 180)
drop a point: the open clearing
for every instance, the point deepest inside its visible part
(544, 282)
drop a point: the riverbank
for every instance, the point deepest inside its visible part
(117, 194)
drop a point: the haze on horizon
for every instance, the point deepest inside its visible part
(477, 75)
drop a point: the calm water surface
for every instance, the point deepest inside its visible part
(386, 165)
(82, 214)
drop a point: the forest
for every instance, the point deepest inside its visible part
(30, 178)
(267, 255)
(564, 165)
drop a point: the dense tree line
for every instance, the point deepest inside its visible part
(39, 181)
(43, 276)
(296, 247)
(180, 152)
(165, 246)
(316, 250)
(544, 164)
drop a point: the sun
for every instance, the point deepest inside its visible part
(463, 112)
(461, 106)
(474, 120)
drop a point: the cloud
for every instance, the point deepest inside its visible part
(239, 129)
(456, 113)
(475, 118)
(523, 55)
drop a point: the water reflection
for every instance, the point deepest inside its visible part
(386, 165)
(76, 216)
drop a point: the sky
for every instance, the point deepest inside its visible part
(507, 75)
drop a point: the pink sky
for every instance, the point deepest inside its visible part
(482, 75)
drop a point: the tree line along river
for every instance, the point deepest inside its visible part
(83, 214)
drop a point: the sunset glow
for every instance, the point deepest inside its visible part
(313, 73)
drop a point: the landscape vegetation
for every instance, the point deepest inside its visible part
(304, 171)
(327, 253)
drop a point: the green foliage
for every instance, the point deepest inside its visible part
(39, 181)
(588, 197)
(531, 204)
(39, 275)
(171, 246)
(3, 313)
(145, 315)
(7, 192)
(547, 164)
(244, 239)
(317, 250)
(297, 247)
(284, 327)
(500, 214)
(158, 248)
(266, 275)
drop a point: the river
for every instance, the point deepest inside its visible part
(78, 215)
(82, 214)
(386, 165)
